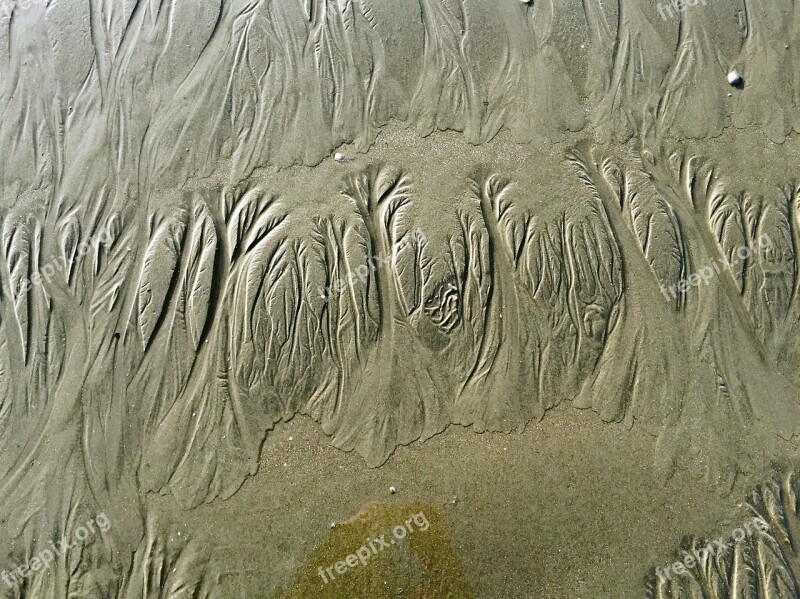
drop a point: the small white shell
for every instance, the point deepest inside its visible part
(392, 490)
(338, 157)
(734, 78)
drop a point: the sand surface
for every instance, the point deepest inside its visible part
(278, 277)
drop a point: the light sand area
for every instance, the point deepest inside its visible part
(568, 508)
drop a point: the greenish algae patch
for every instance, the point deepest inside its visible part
(415, 563)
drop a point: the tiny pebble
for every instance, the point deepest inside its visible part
(392, 490)
(734, 78)
(333, 524)
(338, 157)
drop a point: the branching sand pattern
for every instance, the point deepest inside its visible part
(762, 564)
(206, 321)
(159, 359)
